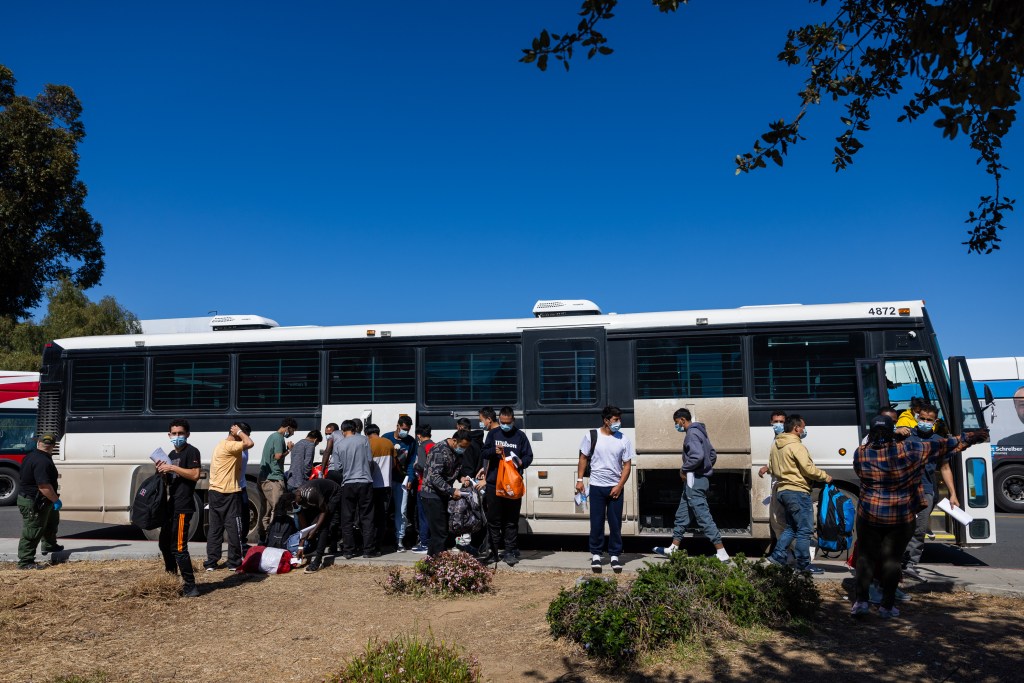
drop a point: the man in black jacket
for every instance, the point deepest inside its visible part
(510, 443)
(181, 476)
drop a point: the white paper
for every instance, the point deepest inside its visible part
(159, 456)
(689, 480)
(305, 532)
(956, 513)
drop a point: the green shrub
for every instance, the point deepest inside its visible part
(674, 600)
(409, 658)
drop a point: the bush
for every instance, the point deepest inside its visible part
(409, 659)
(451, 573)
(674, 600)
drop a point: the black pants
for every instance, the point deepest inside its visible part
(331, 529)
(381, 497)
(436, 511)
(225, 516)
(357, 508)
(881, 545)
(174, 546)
(503, 521)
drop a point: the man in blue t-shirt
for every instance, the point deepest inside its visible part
(611, 459)
(402, 474)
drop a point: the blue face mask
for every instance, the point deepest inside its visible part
(925, 428)
(779, 427)
(680, 428)
(506, 427)
(482, 425)
(460, 450)
(803, 434)
(402, 433)
(615, 426)
(178, 441)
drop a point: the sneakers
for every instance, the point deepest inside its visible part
(311, 568)
(190, 591)
(54, 549)
(33, 565)
(902, 597)
(212, 567)
(595, 564)
(811, 569)
(512, 558)
(888, 613)
(771, 560)
(859, 609)
(616, 564)
(489, 559)
(419, 549)
(371, 554)
(910, 571)
(665, 551)
(875, 594)
(348, 555)
(400, 548)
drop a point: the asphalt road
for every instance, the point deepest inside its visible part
(1008, 553)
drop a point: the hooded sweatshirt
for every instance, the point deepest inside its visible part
(790, 463)
(696, 451)
(514, 442)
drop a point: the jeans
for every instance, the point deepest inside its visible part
(601, 505)
(799, 526)
(421, 517)
(436, 511)
(173, 545)
(695, 498)
(880, 544)
(401, 502)
(916, 546)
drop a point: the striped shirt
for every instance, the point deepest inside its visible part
(891, 491)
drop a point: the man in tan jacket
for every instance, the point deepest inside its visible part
(790, 463)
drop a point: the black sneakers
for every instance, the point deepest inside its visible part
(595, 564)
(54, 549)
(34, 565)
(190, 591)
(616, 564)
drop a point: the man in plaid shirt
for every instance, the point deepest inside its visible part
(891, 495)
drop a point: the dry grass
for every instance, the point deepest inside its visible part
(123, 621)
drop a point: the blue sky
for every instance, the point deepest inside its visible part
(373, 162)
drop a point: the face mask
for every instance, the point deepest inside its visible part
(178, 441)
(803, 433)
(615, 426)
(482, 425)
(925, 428)
(402, 433)
(460, 450)
(506, 427)
(778, 427)
(680, 428)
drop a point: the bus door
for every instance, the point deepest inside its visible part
(384, 415)
(972, 468)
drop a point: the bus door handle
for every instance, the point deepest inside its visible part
(548, 491)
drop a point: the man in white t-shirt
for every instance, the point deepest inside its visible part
(610, 463)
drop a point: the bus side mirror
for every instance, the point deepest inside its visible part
(989, 399)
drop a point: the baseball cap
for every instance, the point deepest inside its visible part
(883, 421)
(48, 438)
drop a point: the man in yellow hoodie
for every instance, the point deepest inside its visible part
(790, 463)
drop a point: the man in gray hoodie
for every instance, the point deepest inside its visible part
(353, 459)
(698, 464)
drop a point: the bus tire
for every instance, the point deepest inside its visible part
(9, 483)
(252, 513)
(1009, 485)
(197, 523)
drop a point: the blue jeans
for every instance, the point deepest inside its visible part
(799, 525)
(401, 498)
(421, 516)
(601, 505)
(695, 498)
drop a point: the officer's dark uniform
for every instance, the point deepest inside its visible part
(39, 519)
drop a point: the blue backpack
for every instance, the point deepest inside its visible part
(836, 516)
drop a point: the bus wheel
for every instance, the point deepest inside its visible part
(197, 524)
(9, 482)
(1009, 486)
(255, 511)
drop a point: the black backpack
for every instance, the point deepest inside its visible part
(149, 509)
(281, 527)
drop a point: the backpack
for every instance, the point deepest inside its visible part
(590, 455)
(281, 527)
(836, 516)
(464, 513)
(149, 508)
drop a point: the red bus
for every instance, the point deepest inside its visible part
(19, 396)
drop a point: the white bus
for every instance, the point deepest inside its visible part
(1001, 382)
(111, 398)
(18, 394)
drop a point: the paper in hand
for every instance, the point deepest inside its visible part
(159, 456)
(956, 513)
(689, 480)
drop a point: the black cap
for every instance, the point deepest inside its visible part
(883, 421)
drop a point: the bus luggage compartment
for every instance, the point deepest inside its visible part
(659, 492)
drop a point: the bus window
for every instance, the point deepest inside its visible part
(472, 375)
(191, 382)
(909, 378)
(285, 380)
(372, 375)
(567, 372)
(108, 385)
(796, 367)
(17, 432)
(697, 367)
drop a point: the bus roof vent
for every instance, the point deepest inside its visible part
(221, 323)
(557, 307)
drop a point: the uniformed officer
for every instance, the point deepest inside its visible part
(38, 503)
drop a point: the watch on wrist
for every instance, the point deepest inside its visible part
(579, 479)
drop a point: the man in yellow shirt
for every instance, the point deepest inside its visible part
(225, 506)
(790, 464)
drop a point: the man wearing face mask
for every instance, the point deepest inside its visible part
(403, 460)
(790, 463)
(609, 470)
(439, 478)
(925, 431)
(698, 465)
(181, 476)
(507, 441)
(776, 515)
(271, 475)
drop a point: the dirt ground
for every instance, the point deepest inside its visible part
(123, 620)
